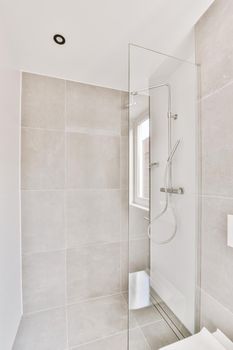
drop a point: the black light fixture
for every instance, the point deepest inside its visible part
(59, 39)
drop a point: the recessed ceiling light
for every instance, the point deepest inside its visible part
(59, 39)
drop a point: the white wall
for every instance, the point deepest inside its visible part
(173, 271)
(10, 259)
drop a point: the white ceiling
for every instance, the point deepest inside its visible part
(97, 34)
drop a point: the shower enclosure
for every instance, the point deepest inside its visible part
(163, 199)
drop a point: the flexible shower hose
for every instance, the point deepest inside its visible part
(163, 211)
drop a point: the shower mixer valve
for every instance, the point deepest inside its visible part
(172, 190)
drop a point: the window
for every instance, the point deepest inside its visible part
(140, 136)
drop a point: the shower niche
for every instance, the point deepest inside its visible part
(164, 192)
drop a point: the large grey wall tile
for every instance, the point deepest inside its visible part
(214, 51)
(217, 258)
(139, 254)
(124, 266)
(93, 216)
(93, 271)
(43, 101)
(214, 315)
(42, 221)
(159, 334)
(93, 161)
(96, 319)
(124, 215)
(42, 331)
(138, 223)
(93, 107)
(124, 162)
(217, 147)
(43, 164)
(124, 114)
(43, 281)
(134, 257)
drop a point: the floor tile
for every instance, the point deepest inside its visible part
(158, 334)
(42, 331)
(95, 319)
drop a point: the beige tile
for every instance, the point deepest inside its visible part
(146, 315)
(42, 221)
(115, 342)
(124, 114)
(93, 216)
(217, 258)
(138, 224)
(93, 107)
(43, 281)
(43, 101)
(137, 340)
(93, 161)
(213, 34)
(217, 147)
(139, 255)
(119, 342)
(42, 331)
(94, 319)
(124, 215)
(42, 159)
(137, 260)
(214, 315)
(124, 162)
(159, 334)
(93, 271)
(124, 266)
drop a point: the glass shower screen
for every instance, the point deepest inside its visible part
(163, 199)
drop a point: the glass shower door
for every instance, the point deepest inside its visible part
(163, 199)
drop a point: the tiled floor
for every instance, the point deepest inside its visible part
(96, 324)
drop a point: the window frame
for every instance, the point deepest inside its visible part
(139, 201)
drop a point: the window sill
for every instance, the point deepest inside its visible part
(139, 206)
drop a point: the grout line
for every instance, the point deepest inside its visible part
(99, 339)
(42, 129)
(216, 91)
(215, 196)
(88, 244)
(94, 299)
(121, 250)
(153, 322)
(80, 130)
(92, 132)
(20, 197)
(144, 337)
(138, 327)
(66, 305)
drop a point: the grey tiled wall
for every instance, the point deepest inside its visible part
(74, 192)
(215, 54)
